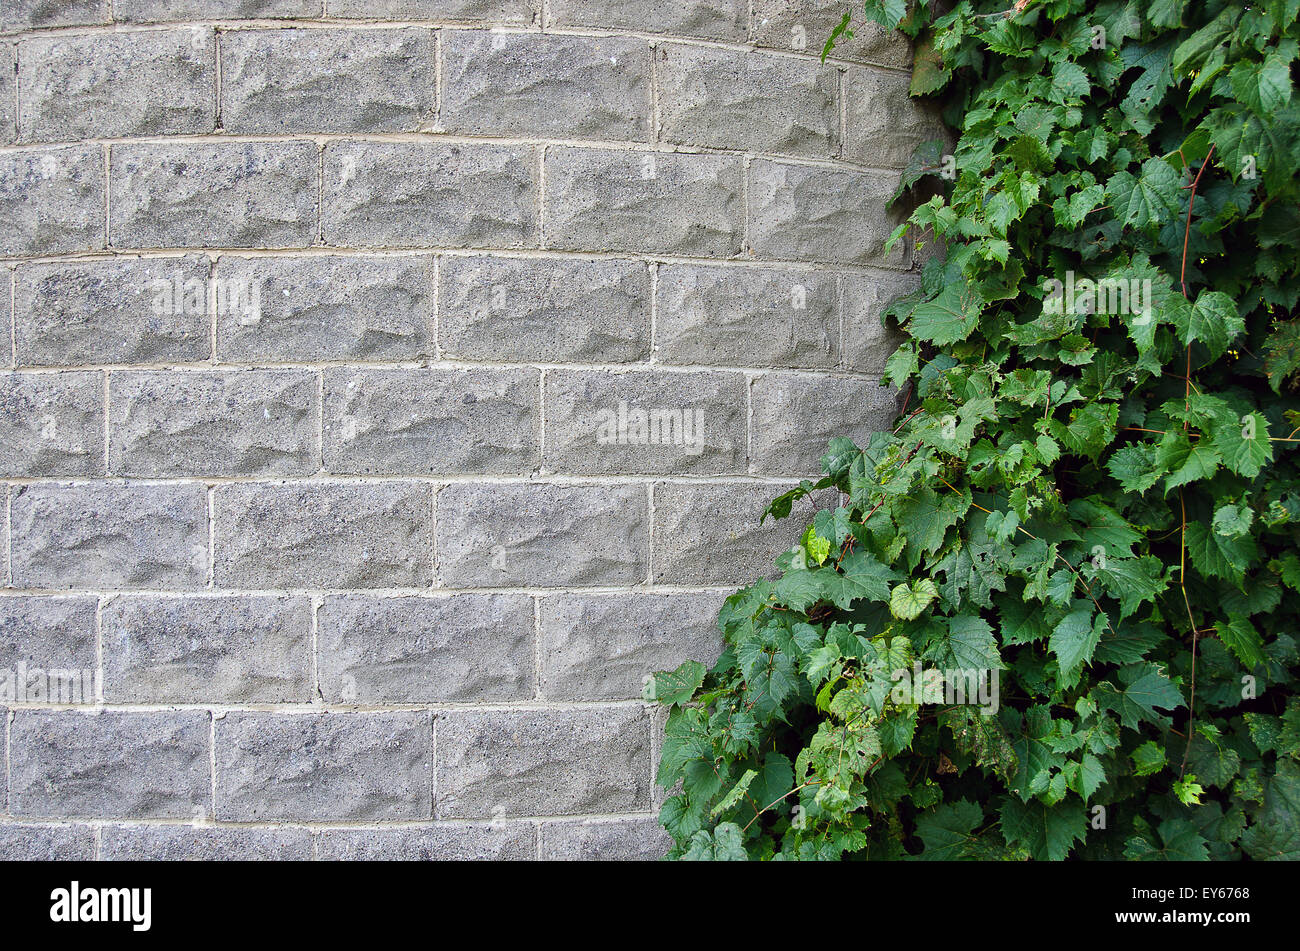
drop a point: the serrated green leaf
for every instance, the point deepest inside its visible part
(1148, 759)
(907, 601)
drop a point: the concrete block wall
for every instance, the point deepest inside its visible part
(325, 328)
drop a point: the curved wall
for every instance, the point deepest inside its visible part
(392, 385)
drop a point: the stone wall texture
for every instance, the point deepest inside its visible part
(326, 330)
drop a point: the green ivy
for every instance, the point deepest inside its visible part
(1091, 492)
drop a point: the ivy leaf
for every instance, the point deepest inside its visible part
(1072, 212)
(800, 589)
(1240, 637)
(1264, 87)
(1085, 776)
(1188, 790)
(1193, 50)
(1036, 756)
(926, 518)
(1180, 841)
(677, 686)
(1009, 38)
(816, 547)
(1069, 81)
(928, 71)
(1052, 470)
(735, 795)
(1091, 428)
(1232, 521)
(1213, 320)
(907, 601)
(723, 844)
(1100, 526)
(948, 830)
(1245, 445)
(1149, 89)
(1151, 198)
(1275, 833)
(1217, 556)
(1132, 581)
(1184, 461)
(1046, 832)
(775, 779)
(1211, 759)
(1148, 759)
(968, 645)
(888, 13)
(896, 732)
(1129, 644)
(1142, 689)
(1075, 638)
(770, 677)
(860, 577)
(686, 738)
(1166, 13)
(1002, 525)
(1282, 349)
(1135, 467)
(950, 317)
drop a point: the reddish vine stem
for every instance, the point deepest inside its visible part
(1182, 539)
(1187, 231)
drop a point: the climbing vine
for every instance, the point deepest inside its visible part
(1053, 613)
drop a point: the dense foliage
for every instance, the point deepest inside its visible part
(1092, 488)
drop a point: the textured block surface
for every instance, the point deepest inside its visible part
(116, 85)
(468, 647)
(803, 25)
(608, 646)
(603, 200)
(442, 842)
(744, 316)
(546, 86)
(285, 81)
(322, 766)
(259, 422)
(171, 843)
(801, 212)
(611, 422)
(182, 196)
(492, 536)
(51, 201)
(109, 536)
(52, 424)
(407, 195)
(548, 310)
(800, 415)
(213, 649)
(323, 535)
(724, 99)
(325, 308)
(431, 421)
(124, 311)
(538, 763)
(388, 388)
(109, 765)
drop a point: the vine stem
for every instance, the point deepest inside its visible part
(1187, 232)
(811, 782)
(1087, 589)
(1182, 538)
